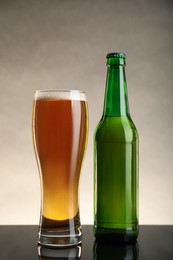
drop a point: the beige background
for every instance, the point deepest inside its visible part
(62, 44)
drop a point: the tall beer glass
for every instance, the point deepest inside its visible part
(60, 126)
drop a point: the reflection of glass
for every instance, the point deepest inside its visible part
(71, 253)
(60, 125)
(103, 251)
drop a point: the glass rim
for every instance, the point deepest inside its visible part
(60, 90)
(57, 94)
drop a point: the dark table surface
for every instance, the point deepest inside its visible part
(20, 243)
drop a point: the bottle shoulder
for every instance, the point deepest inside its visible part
(116, 129)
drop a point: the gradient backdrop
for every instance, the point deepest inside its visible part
(63, 44)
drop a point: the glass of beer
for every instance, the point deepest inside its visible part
(60, 128)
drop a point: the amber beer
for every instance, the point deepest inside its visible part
(60, 125)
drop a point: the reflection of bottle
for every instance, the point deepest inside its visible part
(115, 252)
(71, 253)
(116, 161)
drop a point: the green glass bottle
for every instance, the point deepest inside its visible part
(116, 161)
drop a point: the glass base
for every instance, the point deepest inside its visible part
(59, 238)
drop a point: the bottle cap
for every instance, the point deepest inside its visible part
(116, 58)
(116, 55)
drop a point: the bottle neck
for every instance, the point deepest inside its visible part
(116, 100)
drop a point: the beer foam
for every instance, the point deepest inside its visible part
(57, 94)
